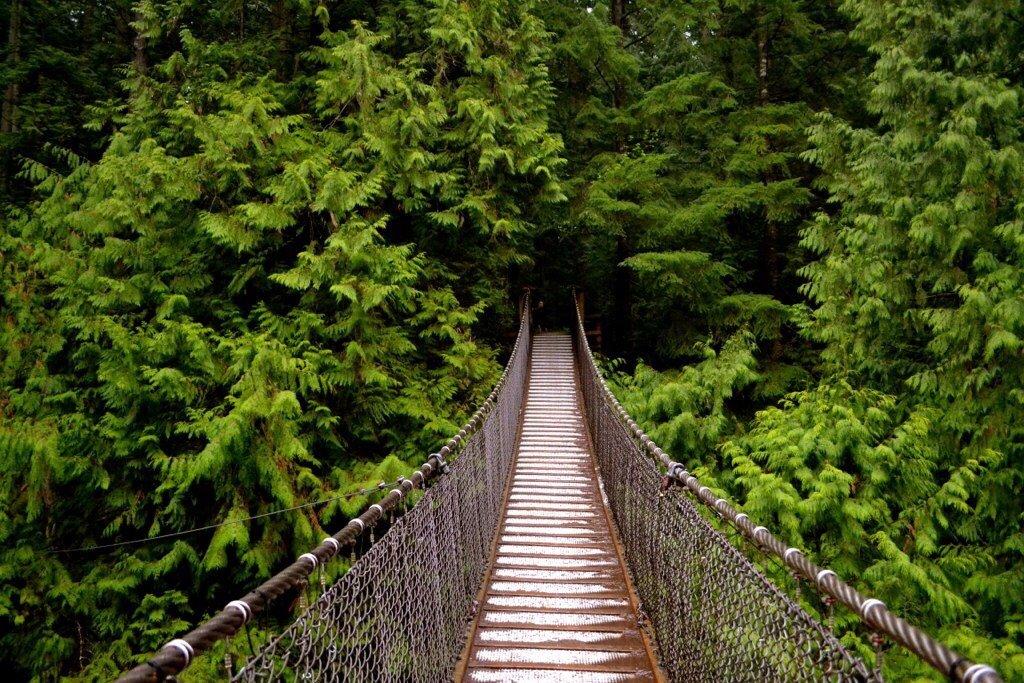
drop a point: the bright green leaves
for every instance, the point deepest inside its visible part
(687, 410)
(472, 150)
(268, 290)
(917, 291)
(688, 182)
(837, 448)
(355, 70)
(693, 282)
(898, 462)
(846, 473)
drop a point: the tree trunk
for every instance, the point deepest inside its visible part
(762, 62)
(619, 14)
(622, 291)
(618, 91)
(139, 49)
(9, 114)
(621, 330)
(771, 234)
(771, 255)
(282, 21)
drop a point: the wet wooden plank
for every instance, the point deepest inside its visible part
(504, 675)
(557, 605)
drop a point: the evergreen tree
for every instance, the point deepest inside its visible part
(918, 289)
(901, 468)
(688, 124)
(264, 293)
(258, 254)
(57, 60)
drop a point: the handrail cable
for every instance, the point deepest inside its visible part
(871, 611)
(194, 530)
(176, 655)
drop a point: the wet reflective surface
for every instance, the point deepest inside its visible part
(557, 606)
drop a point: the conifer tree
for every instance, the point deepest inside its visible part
(57, 59)
(264, 293)
(901, 468)
(257, 254)
(687, 130)
(918, 288)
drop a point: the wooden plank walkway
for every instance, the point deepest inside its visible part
(557, 605)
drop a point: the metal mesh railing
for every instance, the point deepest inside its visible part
(401, 612)
(716, 616)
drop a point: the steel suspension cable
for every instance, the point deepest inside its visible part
(177, 654)
(870, 611)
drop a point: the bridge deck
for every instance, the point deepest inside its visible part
(557, 604)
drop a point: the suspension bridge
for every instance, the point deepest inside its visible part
(555, 541)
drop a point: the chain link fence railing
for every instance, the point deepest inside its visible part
(715, 615)
(401, 612)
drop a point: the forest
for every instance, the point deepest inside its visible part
(262, 253)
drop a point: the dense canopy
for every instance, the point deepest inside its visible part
(262, 254)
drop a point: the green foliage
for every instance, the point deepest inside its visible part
(257, 254)
(59, 58)
(688, 410)
(687, 187)
(919, 284)
(268, 290)
(899, 464)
